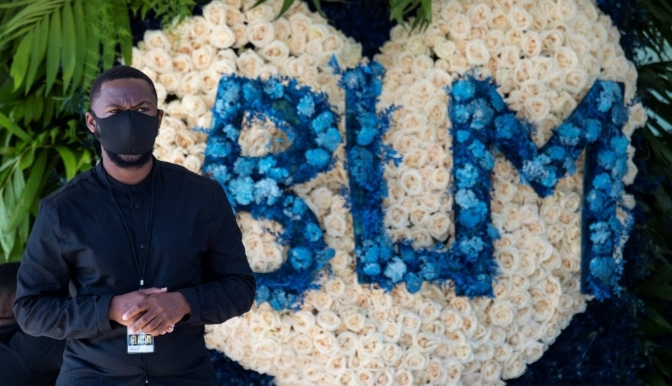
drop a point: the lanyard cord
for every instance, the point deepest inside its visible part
(128, 232)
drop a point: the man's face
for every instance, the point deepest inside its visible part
(6, 314)
(120, 95)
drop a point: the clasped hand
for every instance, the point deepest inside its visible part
(151, 310)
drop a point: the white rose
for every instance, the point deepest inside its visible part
(536, 108)
(371, 345)
(514, 367)
(222, 37)
(463, 353)
(501, 313)
(403, 377)
(193, 163)
(328, 320)
(248, 63)
(260, 13)
(509, 57)
(353, 320)
(181, 63)
(215, 13)
(282, 29)
(332, 44)
(335, 225)
(191, 84)
(520, 18)
(156, 39)
(460, 27)
(411, 181)
(159, 60)
(267, 348)
(543, 310)
(410, 322)
(302, 321)
(414, 360)
(199, 29)
(260, 33)
(176, 156)
(533, 351)
(170, 81)
(477, 52)
(390, 354)
(138, 58)
(276, 52)
(519, 298)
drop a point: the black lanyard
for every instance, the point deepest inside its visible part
(141, 273)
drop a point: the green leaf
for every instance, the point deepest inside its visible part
(37, 54)
(80, 47)
(69, 161)
(13, 128)
(54, 49)
(27, 159)
(20, 60)
(30, 191)
(69, 45)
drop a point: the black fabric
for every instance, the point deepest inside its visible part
(28, 360)
(128, 132)
(79, 246)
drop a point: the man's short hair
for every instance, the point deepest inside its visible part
(8, 272)
(118, 72)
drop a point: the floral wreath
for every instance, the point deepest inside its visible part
(543, 59)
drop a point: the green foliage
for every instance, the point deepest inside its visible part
(50, 52)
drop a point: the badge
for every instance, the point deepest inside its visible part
(139, 343)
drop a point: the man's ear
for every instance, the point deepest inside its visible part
(90, 122)
(160, 112)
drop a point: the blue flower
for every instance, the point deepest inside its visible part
(602, 181)
(371, 269)
(265, 164)
(273, 88)
(312, 232)
(300, 258)
(505, 125)
(262, 294)
(465, 198)
(557, 153)
(477, 149)
(244, 166)
(231, 93)
(463, 90)
(231, 132)
(603, 269)
(460, 114)
(467, 176)
(330, 139)
(413, 282)
(266, 191)
(279, 300)
(306, 106)
(471, 217)
(366, 136)
(606, 159)
(217, 148)
(241, 189)
(219, 173)
(318, 158)
(471, 246)
(593, 130)
(322, 122)
(251, 92)
(462, 135)
(395, 270)
(482, 114)
(569, 134)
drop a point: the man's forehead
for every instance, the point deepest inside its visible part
(126, 86)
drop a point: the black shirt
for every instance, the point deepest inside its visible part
(28, 360)
(81, 246)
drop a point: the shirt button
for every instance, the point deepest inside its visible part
(136, 206)
(142, 246)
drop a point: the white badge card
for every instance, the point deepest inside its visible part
(139, 343)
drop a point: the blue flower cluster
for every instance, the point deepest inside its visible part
(481, 120)
(379, 260)
(258, 185)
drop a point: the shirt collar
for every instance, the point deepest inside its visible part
(120, 186)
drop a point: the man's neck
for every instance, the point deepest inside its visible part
(127, 176)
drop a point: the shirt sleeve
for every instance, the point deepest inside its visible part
(229, 284)
(43, 306)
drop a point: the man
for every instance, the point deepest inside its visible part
(24, 359)
(133, 246)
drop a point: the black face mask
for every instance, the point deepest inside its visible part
(128, 132)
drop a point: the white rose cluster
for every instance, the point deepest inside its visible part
(187, 60)
(544, 55)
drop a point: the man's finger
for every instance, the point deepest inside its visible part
(135, 310)
(153, 291)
